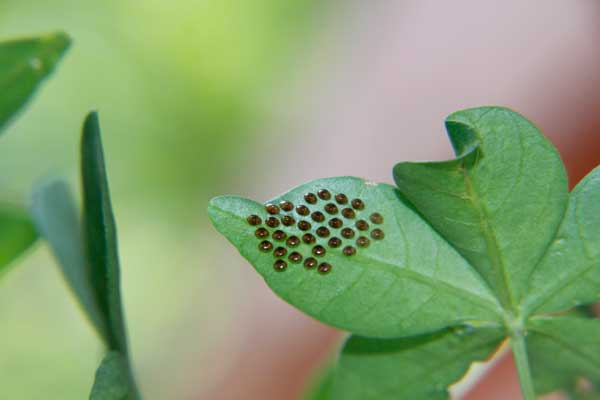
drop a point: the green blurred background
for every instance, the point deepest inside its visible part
(181, 88)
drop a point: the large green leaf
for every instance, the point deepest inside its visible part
(563, 350)
(112, 380)
(570, 273)
(419, 368)
(407, 283)
(16, 234)
(55, 215)
(24, 64)
(500, 202)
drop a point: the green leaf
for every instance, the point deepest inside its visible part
(499, 203)
(17, 234)
(419, 368)
(24, 64)
(112, 379)
(563, 350)
(322, 387)
(570, 273)
(55, 215)
(407, 283)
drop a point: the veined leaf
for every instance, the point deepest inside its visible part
(17, 234)
(24, 64)
(408, 282)
(419, 368)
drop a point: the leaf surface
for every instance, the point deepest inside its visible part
(24, 64)
(112, 380)
(17, 234)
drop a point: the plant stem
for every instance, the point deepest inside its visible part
(519, 349)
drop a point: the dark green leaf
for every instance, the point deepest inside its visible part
(419, 368)
(500, 202)
(408, 283)
(16, 235)
(112, 379)
(24, 64)
(55, 215)
(569, 274)
(563, 350)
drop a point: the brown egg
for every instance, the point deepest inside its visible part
(318, 216)
(377, 234)
(362, 241)
(310, 198)
(288, 220)
(348, 233)
(286, 205)
(322, 231)
(293, 241)
(336, 223)
(331, 208)
(261, 233)
(349, 251)
(324, 194)
(310, 263)
(334, 242)
(376, 218)
(358, 204)
(272, 222)
(304, 225)
(280, 265)
(254, 220)
(280, 252)
(302, 210)
(362, 225)
(279, 235)
(341, 198)
(319, 250)
(272, 209)
(265, 246)
(308, 238)
(295, 257)
(324, 268)
(348, 213)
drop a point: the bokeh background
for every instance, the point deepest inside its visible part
(204, 97)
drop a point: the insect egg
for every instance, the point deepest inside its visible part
(279, 235)
(348, 233)
(272, 209)
(261, 233)
(341, 198)
(310, 263)
(336, 223)
(295, 257)
(280, 265)
(334, 242)
(348, 213)
(288, 220)
(362, 225)
(358, 204)
(349, 251)
(331, 208)
(304, 225)
(324, 194)
(324, 268)
(272, 222)
(286, 205)
(376, 218)
(254, 220)
(322, 231)
(362, 241)
(318, 216)
(280, 252)
(319, 250)
(377, 234)
(302, 210)
(308, 238)
(265, 246)
(293, 241)
(310, 198)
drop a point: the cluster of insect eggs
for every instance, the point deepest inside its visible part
(326, 223)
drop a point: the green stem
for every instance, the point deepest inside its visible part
(519, 349)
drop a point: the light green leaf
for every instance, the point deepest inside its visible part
(55, 215)
(563, 350)
(112, 379)
(24, 64)
(500, 202)
(570, 273)
(419, 368)
(407, 283)
(17, 234)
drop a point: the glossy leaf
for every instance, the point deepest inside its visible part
(56, 217)
(24, 64)
(409, 282)
(17, 234)
(419, 368)
(112, 380)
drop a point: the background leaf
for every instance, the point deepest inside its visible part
(24, 64)
(419, 368)
(408, 283)
(562, 350)
(112, 381)
(500, 202)
(569, 274)
(16, 235)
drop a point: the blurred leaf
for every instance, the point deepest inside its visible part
(16, 235)
(409, 282)
(321, 388)
(55, 215)
(24, 63)
(418, 368)
(112, 380)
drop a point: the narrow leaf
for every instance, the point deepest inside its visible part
(55, 215)
(500, 202)
(417, 368)
(17, 234)
(112, 379)
(563, 350)
(24, 64)
(405, 281)
(570, 273)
